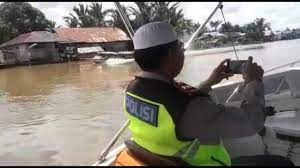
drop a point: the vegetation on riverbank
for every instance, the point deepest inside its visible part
(17, 18)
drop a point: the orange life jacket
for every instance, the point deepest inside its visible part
(125, 158)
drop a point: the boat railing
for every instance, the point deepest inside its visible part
(104, 153)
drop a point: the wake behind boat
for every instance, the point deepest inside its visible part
(113, 58)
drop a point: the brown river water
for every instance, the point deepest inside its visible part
(65, 114)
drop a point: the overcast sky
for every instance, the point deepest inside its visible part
(279, 14)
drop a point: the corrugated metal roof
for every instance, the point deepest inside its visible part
(36, 37)
(93, 34)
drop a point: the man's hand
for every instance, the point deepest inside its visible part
(252, 71)
(217, 76)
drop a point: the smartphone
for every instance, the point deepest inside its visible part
(235, 66)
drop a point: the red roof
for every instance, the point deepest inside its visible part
(93, 35)
(36, 37)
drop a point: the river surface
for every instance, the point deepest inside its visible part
(65, 114)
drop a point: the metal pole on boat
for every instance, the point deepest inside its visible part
(232, 94)
(127, 24)
(201, 28)
(124, 19)
(112, 142)
(231, 39)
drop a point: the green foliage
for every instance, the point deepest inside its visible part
(143, 12)
(261, 26)
(226, 27)
(71, 20)
(6, 31)
(87, 16)
(146, 12)
(215, 24)
(20, 17)
(97, 14)
(116, 20)
(254, 30)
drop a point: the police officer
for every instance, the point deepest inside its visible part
(169, 118)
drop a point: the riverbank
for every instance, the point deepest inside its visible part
(223, 45)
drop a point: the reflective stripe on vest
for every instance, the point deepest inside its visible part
(152, 128)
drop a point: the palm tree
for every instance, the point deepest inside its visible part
(82, 18)
(161, 11)
(143, 14)
(215, 24)
(97, 15)
(85, 20)
(261, 25)
(116, 20)
(251, 31)
(71, 20)
(226, 27)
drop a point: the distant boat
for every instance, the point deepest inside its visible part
(99, 59)
(117, 61)
(120, 54)
(113, 58)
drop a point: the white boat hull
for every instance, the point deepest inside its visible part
(118, 61)
(285, 123)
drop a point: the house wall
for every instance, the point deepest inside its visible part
(2, 60)
(43, 51)
(1, 56)
(116, 46)
(21, 52)
(7, 58)
(10, 59)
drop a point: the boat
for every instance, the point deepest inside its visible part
(125, 54)
(280, 136)
(99, 59)
(113, 58)
(118, 61)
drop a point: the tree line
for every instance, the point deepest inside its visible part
(17, 18)
(254, 30)
(144, 12)
(20, 17)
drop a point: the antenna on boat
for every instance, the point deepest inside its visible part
(104, 153)
(221, 8)
(201, 28)
(127, 24)
(124, 19)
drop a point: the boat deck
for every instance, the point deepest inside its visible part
(282, 131)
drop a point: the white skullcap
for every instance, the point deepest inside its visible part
(153, 34)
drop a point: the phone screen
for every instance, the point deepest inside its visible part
(236, 66)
